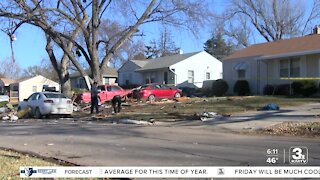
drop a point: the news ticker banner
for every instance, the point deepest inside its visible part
(172, 172)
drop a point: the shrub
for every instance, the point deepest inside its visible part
(219, 87)
(241, 88)
(188, 91)
(296, 87)
(305, 88)
(268, 90)
(282, 89)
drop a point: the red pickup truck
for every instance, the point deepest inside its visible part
(107, 92)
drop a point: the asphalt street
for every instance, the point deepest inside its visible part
(99, 143)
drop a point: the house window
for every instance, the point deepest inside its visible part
(290, 68)
(190, 76)
(241, 73)
(34, 88)
(207, 75)
(295, 68)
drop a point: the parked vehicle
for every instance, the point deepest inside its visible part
(107, 92)
(156, 91)
(47, 103)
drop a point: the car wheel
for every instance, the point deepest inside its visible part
(152, 98)
(37, 113)
(177, 95)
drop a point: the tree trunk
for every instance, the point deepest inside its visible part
(65, 81)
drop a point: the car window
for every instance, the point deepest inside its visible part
(157, 86)
(31, 97)
(35, 97)
(164, 86)
(102, 88)
(115, 88)
(108, 88)
(54, 95)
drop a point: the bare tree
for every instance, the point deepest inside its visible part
(273, 19)
(63, 21)
(12, 70)
(164, 46)
(45, 69)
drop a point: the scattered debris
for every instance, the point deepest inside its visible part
(270, 107)
(182, 99)
(209, 116)
(130, 121)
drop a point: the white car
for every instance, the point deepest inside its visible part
(47, 103)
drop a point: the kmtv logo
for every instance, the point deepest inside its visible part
(298, 155)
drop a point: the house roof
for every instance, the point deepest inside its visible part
(283, 48)
(140, 63)
(111, 72)
(166, 61)
(7, 81)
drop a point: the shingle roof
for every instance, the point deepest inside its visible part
(7, 81)
(309, 43)
(111, 72)
(140, 63)
(166, 61)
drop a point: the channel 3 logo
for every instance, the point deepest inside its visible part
(298, 155)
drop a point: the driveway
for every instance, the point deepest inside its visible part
(175, 144)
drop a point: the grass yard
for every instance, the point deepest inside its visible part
(10, 163)
(223, 105)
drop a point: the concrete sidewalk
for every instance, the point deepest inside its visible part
(253, 120)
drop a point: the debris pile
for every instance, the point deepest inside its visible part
(311, 129)
(8, 113)
(210, 116)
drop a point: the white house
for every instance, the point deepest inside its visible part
(275, 63)
(23, 88)
(181, 69)
(127, 74)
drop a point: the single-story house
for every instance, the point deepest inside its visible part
(109, 77)
(5, 85)
(180, 69)
(23, 88)
(274, 63)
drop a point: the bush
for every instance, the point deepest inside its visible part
(241, 88)
(282, 89)
(296, 87)
(219, 87)
(268, 90)
(305, 88)
(188, 91)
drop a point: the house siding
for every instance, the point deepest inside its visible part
(26, 87)
(127, 72)
(200, 63)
